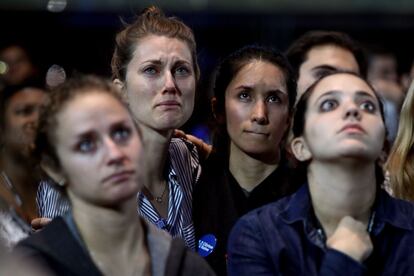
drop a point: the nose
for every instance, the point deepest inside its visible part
(259, 113)
(170, 84)
(115, 154)
(353, 112)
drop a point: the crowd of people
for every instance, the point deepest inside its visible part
(310, 171)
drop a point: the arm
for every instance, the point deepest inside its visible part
(247, 253)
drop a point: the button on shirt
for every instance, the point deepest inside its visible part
(281, 239)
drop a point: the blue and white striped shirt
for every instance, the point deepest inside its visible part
(183, 172)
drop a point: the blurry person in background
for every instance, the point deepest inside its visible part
(400, 164)
(19, 107)
(18, 66)
(318, 53)
(382, 73)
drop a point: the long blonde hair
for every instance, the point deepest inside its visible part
(400, 163)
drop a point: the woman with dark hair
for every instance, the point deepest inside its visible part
(341, 222)
(19, 110)
(254, 95)
(88, 139)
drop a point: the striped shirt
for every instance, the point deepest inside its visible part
(50, 202)
(183, 172)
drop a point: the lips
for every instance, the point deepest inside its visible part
(256, 132)
(352, 128)
(119, 177)
(168, 103)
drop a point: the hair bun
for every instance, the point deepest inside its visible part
(152, 11)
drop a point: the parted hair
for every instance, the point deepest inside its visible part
(400, 163)
(151, 21)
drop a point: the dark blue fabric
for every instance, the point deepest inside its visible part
(281, 239)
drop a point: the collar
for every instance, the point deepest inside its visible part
(395, 212)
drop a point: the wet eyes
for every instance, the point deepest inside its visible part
(150, 70)
(182, 71)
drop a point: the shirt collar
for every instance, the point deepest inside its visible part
(395, 212)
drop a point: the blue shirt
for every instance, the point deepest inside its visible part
(281, 238)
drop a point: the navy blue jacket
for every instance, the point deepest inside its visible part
(281, 238)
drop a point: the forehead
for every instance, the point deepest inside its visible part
(344, 83)
(27, 95)
(92, 107)
(256, 70)
(157, 47)
(331, 55)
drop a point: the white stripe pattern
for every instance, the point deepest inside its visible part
(184, 171)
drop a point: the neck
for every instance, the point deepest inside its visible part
(107, 229)
(156, 146)
(249, 171)
(339, 190)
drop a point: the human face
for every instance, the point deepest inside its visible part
(21, 118)
(99, 149)
(257, 109)
(321, 60)
(19, 65)
(160, 83)
(343, 120)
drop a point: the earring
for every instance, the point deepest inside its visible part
(62, 182)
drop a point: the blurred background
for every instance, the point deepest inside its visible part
(78, 34)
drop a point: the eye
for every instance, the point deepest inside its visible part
(86, 145)
(25, 110)
(274, 99)
(328, 105)
(121, 134)
(368, 106)
(182, 71)
(150, 70)
(244, 96)
(322, 72)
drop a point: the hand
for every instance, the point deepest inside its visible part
(39, 223)
(204, 149)
(352, 239)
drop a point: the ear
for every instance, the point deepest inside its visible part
(53, 173)
(118, 83)
(300, 149)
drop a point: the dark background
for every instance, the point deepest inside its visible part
(80, 38)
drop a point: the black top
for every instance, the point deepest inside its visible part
(219, 201)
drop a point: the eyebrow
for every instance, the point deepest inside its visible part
(359, 94)
(250, 87)
(324, 67)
